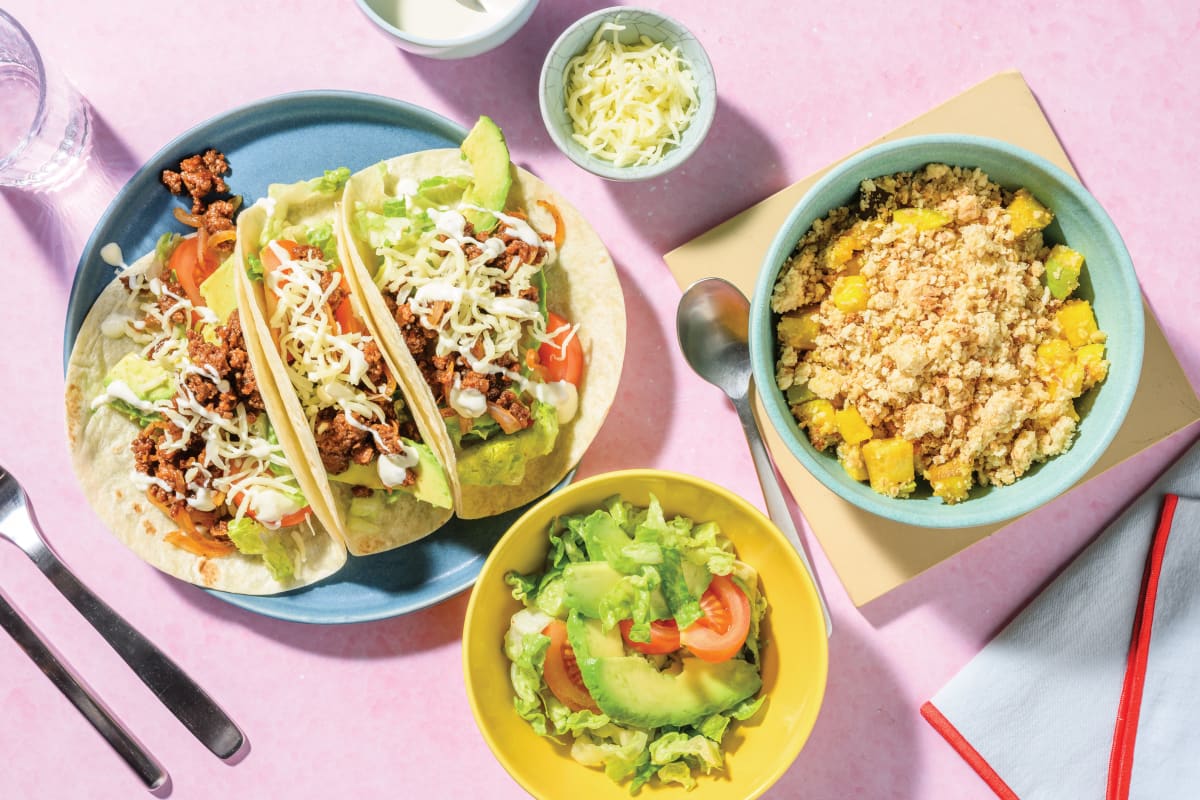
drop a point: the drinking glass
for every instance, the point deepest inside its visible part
(44, 125)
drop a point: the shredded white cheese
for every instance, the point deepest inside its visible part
(629, 103)
(237, 457)
(326, 365)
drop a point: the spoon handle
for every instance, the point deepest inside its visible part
(776, 506)
(141, 762)
(182, 696)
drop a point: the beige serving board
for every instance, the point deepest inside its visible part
(873, 555)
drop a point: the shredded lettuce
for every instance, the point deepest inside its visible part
(166, 245)
(254, 267)
(322, 236)
(525, 645)
(332, 181)
(252, 539)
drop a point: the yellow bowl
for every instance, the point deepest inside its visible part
(795, 658)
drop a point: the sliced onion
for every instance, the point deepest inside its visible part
(191, 220)
(220, 238)
(507, 422)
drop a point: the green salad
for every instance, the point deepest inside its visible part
(639, 640)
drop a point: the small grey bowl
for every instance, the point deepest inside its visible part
(638, 22)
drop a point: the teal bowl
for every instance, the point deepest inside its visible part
(1109, 283)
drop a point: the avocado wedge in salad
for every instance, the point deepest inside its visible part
(640, 640)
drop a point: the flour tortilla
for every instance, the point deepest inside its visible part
(583, 288)
(406, 519)
(100, 450)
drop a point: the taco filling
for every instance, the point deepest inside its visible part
(207, 454)
(466, 286)
(351, 400)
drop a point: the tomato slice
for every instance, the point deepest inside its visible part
(559, 366)
(721, 632)
(190, 269)
(561, 671)
(664, 637)
(294, 518)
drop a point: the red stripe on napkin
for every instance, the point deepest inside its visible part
(968, 753)
(1120, 764)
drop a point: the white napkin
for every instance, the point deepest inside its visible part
(1036, 712)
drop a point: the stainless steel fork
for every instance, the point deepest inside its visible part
(178, 692)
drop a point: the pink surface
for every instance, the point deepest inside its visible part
(379, 709)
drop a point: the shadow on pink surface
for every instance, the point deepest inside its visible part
(736, 166)
(61, 220)
(629, 439)
(865, 713)
(428, 629)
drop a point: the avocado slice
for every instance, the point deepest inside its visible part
(487, 152)
(431, 485)
(586, 583)
(630, 690)
(145, 379)
(219, 294)
(500, 461)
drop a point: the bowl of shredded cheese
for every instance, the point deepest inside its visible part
(627, 93)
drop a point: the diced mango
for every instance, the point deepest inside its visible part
(951, 481)
(1058, 367)
(850, 294)
(851, 425)
(1063, 268)
(800, 329)
(843, 248)
(924, 219)
(1052, 355)
(1025, 213)
(842, 253)
(890, 466)
(818, 418)
(851, 458)
(1078, 323)
(1091, 359)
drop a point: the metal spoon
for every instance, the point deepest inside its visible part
(182, 696)
(712, 323)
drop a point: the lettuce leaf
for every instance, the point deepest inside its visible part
(332, 181)
(252, 539)
(620, 750)
(699, 751)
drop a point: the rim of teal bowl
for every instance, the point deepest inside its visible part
(1002, 503)
(703, 120)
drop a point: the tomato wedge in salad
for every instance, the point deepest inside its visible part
(721, 632)
(664, 637)
(559, 363)
(561, 671)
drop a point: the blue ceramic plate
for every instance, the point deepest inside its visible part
(281, 140)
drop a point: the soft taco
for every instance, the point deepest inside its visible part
(173, 437)
(370, 456)
(498, 303)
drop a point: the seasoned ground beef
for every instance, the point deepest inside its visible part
(230, 361)
(199, 175)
